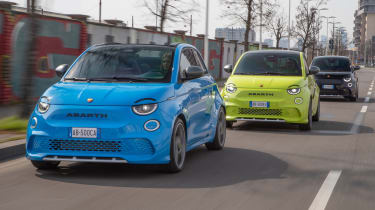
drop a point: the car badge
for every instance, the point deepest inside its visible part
(261, 85)
(328, 76)
(90, 100)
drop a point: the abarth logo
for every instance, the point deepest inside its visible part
(261, 94)
(261, 85)
(90, 100)
(87, 115)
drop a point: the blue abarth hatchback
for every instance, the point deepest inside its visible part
(136, 104)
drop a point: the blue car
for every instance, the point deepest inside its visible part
(135, 104)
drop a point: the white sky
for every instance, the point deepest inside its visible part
(125, 9)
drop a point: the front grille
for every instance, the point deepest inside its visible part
(268, 112)
(330, 81)
(84, 145)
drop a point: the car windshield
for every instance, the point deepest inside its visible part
(332, 64)
(279, 64)
(124, 63)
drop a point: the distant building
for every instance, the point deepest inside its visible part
(269, 42)
(284, 42)
(234, 34)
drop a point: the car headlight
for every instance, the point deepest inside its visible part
(43, 105)
(144, 109)
(231, 88)
(348, 79)
(294, 91)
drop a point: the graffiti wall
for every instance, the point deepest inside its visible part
(59, 41)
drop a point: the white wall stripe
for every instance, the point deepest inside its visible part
(321, 199)
(364, 109)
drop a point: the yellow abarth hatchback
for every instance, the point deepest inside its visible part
(272, 86)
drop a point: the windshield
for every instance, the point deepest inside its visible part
(332, 64)
(124, 63)
(282, 64)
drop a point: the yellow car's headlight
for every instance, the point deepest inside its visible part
(294, 91)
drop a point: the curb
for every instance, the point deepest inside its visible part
(12, 149)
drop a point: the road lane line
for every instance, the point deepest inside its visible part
(357, 123)
(364, 109)
(321, 199)
(12, 163)
(367, 99)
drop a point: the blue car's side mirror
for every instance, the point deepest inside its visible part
(61, 70)
(193, 72)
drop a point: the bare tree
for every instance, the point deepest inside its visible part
(171, 10)
(278, 26)
(306, 22)
(246, 13)
(31, 53)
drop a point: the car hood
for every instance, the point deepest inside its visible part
(108, 94)
(266, 82)
(335, 73)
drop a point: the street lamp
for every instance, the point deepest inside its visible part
(261, 25)
(289, 32)
(327, 41)
(206, 51)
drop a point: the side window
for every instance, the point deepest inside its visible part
(200, 61)
(306, 66)
(187, 60)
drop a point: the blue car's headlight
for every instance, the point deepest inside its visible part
(43, 105)
(144, 109)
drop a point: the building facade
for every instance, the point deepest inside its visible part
(237, 34)
(364, 27)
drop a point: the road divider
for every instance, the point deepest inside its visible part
(321, 199)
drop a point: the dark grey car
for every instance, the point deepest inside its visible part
(337, 77)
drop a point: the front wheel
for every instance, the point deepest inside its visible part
(316, 117)
(178, 147)
(45, 165)
(308, 126)
(220, 136)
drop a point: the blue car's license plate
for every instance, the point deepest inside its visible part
(259, 104)
(91, 133)
(329, 87)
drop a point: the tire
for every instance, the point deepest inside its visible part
(316, 117)
(308, 126)
(178, 147)
(229, 124)
(45, 165)
(220, 135)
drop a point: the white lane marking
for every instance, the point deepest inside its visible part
(364, 109)
(12, 163)
(369, 93)
(367, 99)
(321, 199)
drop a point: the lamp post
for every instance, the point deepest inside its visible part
(206, 51)
(289, 32)
(261, 25)
(327, 42)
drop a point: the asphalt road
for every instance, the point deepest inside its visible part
(264, 166)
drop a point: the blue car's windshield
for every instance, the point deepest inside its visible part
(270, 63)
(124, 63)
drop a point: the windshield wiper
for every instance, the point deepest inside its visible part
(137, 79)
(270, 73)
(76, 79)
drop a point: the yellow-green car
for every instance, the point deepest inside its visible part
(272, 86)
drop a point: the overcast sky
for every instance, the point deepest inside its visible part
(125, 9)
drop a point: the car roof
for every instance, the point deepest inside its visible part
(114, 44)
(289, 52)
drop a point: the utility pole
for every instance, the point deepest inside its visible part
(156, 14)
(261, 25)
(206, 51)
(100, 11)
(28, 6)
(289, 35)
(191, 25)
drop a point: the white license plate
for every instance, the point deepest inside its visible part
(330, 87)
(91, 133)
(259, 104)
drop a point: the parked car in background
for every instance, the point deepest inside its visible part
(337, 77)
(272, 86)
(136, 104)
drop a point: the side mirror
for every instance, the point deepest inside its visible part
(356, 68)
(228, 68)
(314, 70)
(193, 72)
(61, 70)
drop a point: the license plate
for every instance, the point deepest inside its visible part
(259, 104)
(330, 87)
(91, 133)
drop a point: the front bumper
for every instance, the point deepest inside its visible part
(340, 88)
(282, 107)
(122, 136)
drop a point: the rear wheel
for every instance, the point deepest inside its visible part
(220, 136)
(178, 147)
(308, 126)
(45, 165)
(316, 117)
